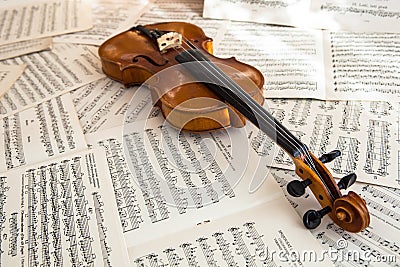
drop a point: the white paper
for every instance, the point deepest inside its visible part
(357, 15)
(266, 235)
(290, 59)
(48, 130)
(164, 181)
(181, 10)
(102, 105)
(25, 47)
(23, 20)
(49, 74)
(60, 213)
(8, 75)
(347, 15)
(362, 66)
(282, 12)
(377, 245)
(299, 63)
(109, 18)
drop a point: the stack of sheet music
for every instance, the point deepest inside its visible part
(91, 174)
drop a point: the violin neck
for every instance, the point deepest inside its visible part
(228, 90)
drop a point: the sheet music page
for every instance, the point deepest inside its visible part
(281, 12)
(109, 18)
(290, 59)
(362, 66)
(377, 245)
(25, 47)
(357, 15)
(50, 129)
(182, 10)
(60, 213)
(49, 74)
(24, 20)
(347, 15)
(8, 75)
(266, 235)
(102, 104)
(164, 179)
(366, 133)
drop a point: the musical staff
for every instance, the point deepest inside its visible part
(56, 126)
(3, 199)
(378, 148)
(347, 162)
(300, 112)
(144, 173)
(320, 137)
(380, 108)
(351, 117)
(241, 239)
(59, 217)
(124, 191)
(49, 74)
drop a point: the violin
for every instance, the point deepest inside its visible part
(194, 104)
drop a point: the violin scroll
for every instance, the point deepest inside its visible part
(347, 211)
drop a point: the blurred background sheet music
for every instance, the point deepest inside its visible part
(25, 47)
(8, 75)
(109, 18)
(357, 15)
(24, 20)
(350, 15)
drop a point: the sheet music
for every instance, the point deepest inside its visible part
(49, 74)
(182, 10)
(24, 47)
(290, 59)
(362, 66)
(282, 12)
(50, 129)
(101, 104)
(109, 18)
(8, 75)
(377, 245)
(261, 236)
(23, 20)
(60, 213)
(164, 179)
(366, 133)
(347, 15)
(356, 15)
(299, 63)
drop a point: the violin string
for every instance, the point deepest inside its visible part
(296, 143)
(299, 146)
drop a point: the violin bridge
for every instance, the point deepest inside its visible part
(169, 40)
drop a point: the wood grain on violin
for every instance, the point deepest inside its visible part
(206, 93)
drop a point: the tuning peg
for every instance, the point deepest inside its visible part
(347, 181)
(328, 157)
(297, 188)
(312, 218)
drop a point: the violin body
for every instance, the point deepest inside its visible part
(131, 58)
(192, 95)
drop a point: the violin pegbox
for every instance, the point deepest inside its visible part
(347, 211)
